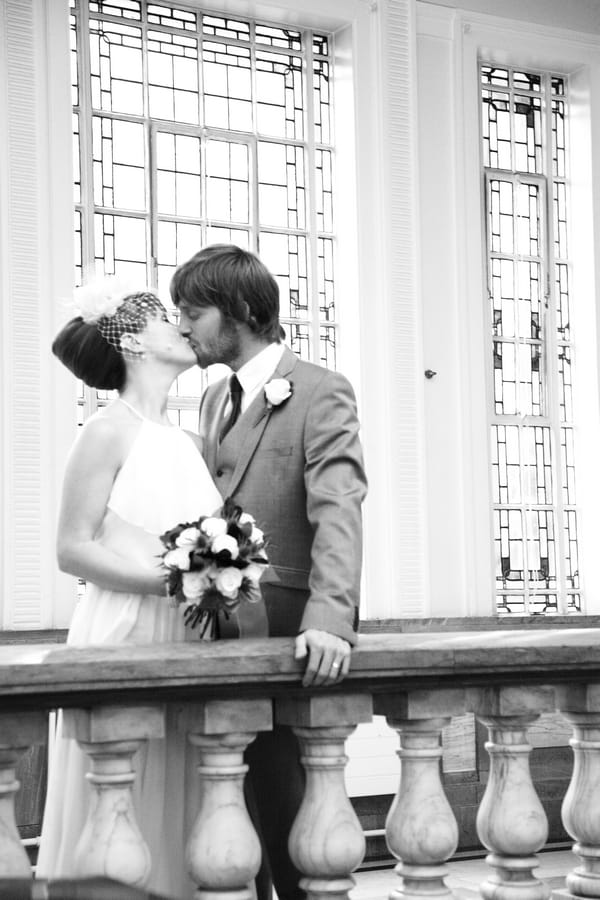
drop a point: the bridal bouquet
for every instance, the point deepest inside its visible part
(214, 564)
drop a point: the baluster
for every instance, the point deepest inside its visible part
(326, 842)
(511, 822)
(223, 852)
(18, 731)
(580, 704)
(111, 844)
(421, 829)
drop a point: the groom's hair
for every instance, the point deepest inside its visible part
(236, 282)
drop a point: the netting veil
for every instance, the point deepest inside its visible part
(117, 310)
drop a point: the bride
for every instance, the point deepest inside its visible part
(131, 475)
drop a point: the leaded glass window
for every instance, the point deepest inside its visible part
(192, 128)
(524, 141)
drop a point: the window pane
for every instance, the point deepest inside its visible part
(286, 257)
(281, 191)
(173, 77)
(532, 430)
(119, 163)
(228, 185)
(325, 279)
(321, 81)
(172, 16)
(121, 247)
(227, 86)
(116, 68)
(279, 95)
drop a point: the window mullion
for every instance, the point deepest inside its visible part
(86, 162)
(151, 185)
(254, 210)
(85, 140)
(524, 506)
(552, 359)
(312, 240)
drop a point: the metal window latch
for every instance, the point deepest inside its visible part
(429, 373)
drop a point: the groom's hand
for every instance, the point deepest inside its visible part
(328, 657)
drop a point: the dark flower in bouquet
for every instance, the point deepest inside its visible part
(214, 564)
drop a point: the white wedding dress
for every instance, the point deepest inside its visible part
(163, 481)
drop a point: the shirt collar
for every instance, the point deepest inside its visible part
(257, 371)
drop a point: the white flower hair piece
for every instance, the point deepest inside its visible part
(117, 308)
(99, 298)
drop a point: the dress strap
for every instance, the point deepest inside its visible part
(143, 418)
(133, 409)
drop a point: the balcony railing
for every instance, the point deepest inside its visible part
(224, 693)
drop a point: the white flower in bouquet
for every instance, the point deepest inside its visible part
(228, 582)
(177, 559)
(277, 390)
(188, 537)
(257, 536)
(247, 519)
(195, 583)
(213, 526)
(253, 572)
(224, 542)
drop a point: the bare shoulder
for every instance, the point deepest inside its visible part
(105, 435)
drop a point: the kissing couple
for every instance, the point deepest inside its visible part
(281, 438)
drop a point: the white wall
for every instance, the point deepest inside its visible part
(576, 15)
(37, 404)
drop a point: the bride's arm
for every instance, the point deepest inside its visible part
(91, 469)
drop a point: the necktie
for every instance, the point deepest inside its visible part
(235, 395)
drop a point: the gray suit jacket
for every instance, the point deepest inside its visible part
(298, 469)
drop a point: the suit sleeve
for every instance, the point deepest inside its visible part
(336, 486)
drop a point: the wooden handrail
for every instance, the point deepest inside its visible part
(46, 675)
(224, 693)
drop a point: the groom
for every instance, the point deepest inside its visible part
(280, 436)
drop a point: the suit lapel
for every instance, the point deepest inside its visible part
(259, 414)
(215, 421)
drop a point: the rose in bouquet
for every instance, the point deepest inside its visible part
(214, 564)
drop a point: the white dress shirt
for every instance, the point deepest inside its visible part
(254, 374)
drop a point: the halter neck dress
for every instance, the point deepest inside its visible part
(162, 482)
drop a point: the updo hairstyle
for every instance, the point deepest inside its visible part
(82, 349)
(92, 350)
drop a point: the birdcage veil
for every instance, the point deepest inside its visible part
(117, 309)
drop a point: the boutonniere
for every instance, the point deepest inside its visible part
(277, 391)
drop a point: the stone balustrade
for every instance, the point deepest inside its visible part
(224, 693)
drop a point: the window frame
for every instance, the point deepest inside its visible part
(493, 40)
(87, 208)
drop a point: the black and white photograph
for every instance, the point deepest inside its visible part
(299, 442)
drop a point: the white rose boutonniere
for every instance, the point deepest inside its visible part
(277, 391)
